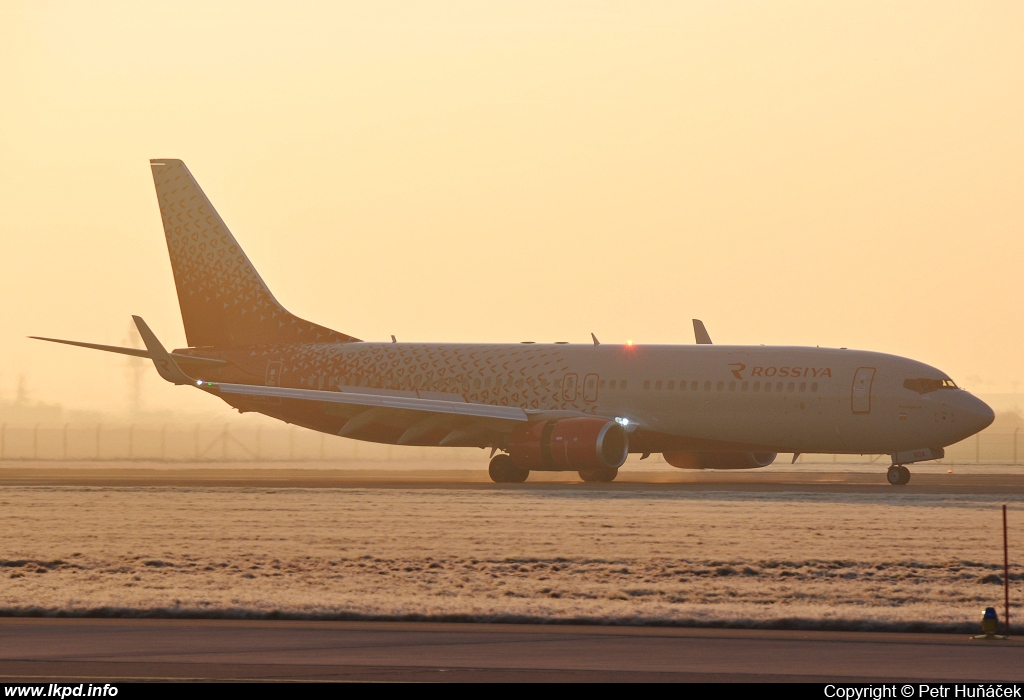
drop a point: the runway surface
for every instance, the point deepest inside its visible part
(807, 480)
(110, 650)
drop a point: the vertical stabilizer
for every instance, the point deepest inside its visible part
(223, 300)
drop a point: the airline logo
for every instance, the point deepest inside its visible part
(738, 369)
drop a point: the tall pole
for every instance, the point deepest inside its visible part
(1006, 576)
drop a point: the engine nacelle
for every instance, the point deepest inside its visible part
(570, 444)
(719, 460)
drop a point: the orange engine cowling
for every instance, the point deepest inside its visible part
(570, 444)
(719, 460)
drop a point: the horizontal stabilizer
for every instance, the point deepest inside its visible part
(134, 352)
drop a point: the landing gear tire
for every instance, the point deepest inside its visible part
(898, 475)
(503, 471)
(599, 476)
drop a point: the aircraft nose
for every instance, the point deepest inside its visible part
(978, 414)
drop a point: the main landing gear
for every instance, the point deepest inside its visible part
(599, 475)
(898, 475)
(503, 471)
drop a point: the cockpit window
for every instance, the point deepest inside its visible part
(926, 386)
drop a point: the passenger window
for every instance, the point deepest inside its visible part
(732, 386)
(693, 385)
(647, 384)
(778, 386)
(657, 385)
(803, 387)
(790, 388)
(757, 386)
(682, 385)
(707, 385)
(814, 386)
(721, 385)
(476, 383)
(600, 384)
(611, 384)
(671, 385)
(487, 382)
(745, 386)
(622, 385)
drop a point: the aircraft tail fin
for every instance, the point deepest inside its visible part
(223, 300)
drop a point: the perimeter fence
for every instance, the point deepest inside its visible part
(203, 442)
(175, 442)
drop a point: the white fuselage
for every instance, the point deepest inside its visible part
(715, 397)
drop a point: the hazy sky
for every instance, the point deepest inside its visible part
(835, 173)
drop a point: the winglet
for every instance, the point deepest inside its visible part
(701, 333)
(596, 341)
(165, 364)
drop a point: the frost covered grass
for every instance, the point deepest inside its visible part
(894, 561)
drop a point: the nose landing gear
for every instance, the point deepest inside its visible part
(898, 475)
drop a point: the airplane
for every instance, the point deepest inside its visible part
(536, 406)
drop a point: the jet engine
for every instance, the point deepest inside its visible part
(570, 444)
(719, 460)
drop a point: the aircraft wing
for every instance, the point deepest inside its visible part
(469, 424)
(403, 403)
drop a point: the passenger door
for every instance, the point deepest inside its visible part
(590, 388)
(860, 399)
(569, 388)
